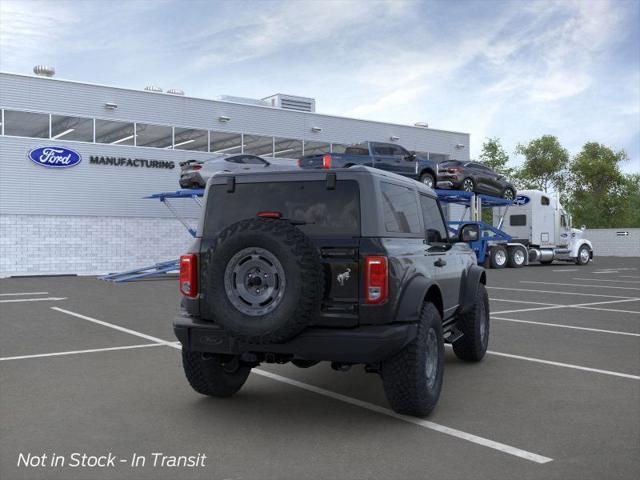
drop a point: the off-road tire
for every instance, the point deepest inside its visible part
(214, 375)
(495, 257)
(404, 375)
(303, 290)
(472, 346)
(512, 262)
(426, 177)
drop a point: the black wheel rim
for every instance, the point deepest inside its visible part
(508, 194)
(254, 281)
(467, 185)
(431, 366)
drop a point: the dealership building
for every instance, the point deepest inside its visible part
(92, 217)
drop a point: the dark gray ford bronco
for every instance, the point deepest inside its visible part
(351, 266)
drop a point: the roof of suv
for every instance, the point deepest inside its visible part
(315, 175)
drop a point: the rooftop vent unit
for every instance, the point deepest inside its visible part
(153, 88)
(291, 102)
(175, 91)
(244, 100)
(44, 71)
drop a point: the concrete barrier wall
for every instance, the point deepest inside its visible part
(615, 242)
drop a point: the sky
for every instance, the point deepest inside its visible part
(510, 69)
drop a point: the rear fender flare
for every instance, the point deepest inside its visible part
(412, 298)
(475, 276)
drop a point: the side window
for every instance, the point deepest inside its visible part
(563, 221)
(382, 150)
(400, 209)
(544, 200)
(398, 151)
(435, 229)
(518, 220)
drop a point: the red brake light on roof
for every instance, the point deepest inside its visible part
(189, 275)
(376, 279)
(326, 161)
(269, 214)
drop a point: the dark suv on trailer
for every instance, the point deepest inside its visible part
(348, 266)
(474, 177)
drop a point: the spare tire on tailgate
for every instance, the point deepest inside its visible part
(264, 281)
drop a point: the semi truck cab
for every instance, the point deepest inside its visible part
(538, 221)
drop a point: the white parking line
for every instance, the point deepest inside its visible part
(523, 301)
(74, 352)
(115, 327)
(22, 293)
(567, 270)
(565, 365)
(603, 280)
(353, 401)
(573, 327)
(577, 305)
(416, 421)
(581, 285)
(628, 276)
(561, 293)
(47, 299)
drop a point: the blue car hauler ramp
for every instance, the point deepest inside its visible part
(475, 202)
(169, 266)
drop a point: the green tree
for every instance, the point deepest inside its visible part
(599, 194)
(494, 156)
(545, 164)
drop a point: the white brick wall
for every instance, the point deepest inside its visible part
(46, 245)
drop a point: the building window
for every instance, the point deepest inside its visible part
(115, 133)
(71, 128)
(287, 148)
(156, 136)
(258, 145)
(400, 209)
(26, 124)
(316, 148)
(191, 139)
(226, 142)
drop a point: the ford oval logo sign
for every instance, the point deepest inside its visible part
(521, 200)
(55, 157)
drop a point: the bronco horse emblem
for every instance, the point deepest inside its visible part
(343, 277)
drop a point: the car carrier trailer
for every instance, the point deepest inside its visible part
(532, 228)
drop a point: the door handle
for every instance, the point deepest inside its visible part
(440, 263)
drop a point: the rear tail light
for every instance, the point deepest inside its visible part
(299, 162)
(376, 279)
(189, 275)
(196, 167)
(453, 170)
(326, 161)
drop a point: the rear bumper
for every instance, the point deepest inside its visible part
(366, 344)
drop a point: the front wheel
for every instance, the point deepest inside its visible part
(428, 180)
(508, 194)
(584, 255)
(412, 378)
(214, 375)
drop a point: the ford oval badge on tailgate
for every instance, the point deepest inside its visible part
(55, 157)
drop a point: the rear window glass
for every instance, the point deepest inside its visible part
(518, 220)
(400, 209)
(326, 212)
(450, 163)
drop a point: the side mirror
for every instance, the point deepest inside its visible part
(469, 233)
(411, 156)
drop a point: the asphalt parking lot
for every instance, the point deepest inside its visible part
(92, 367)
